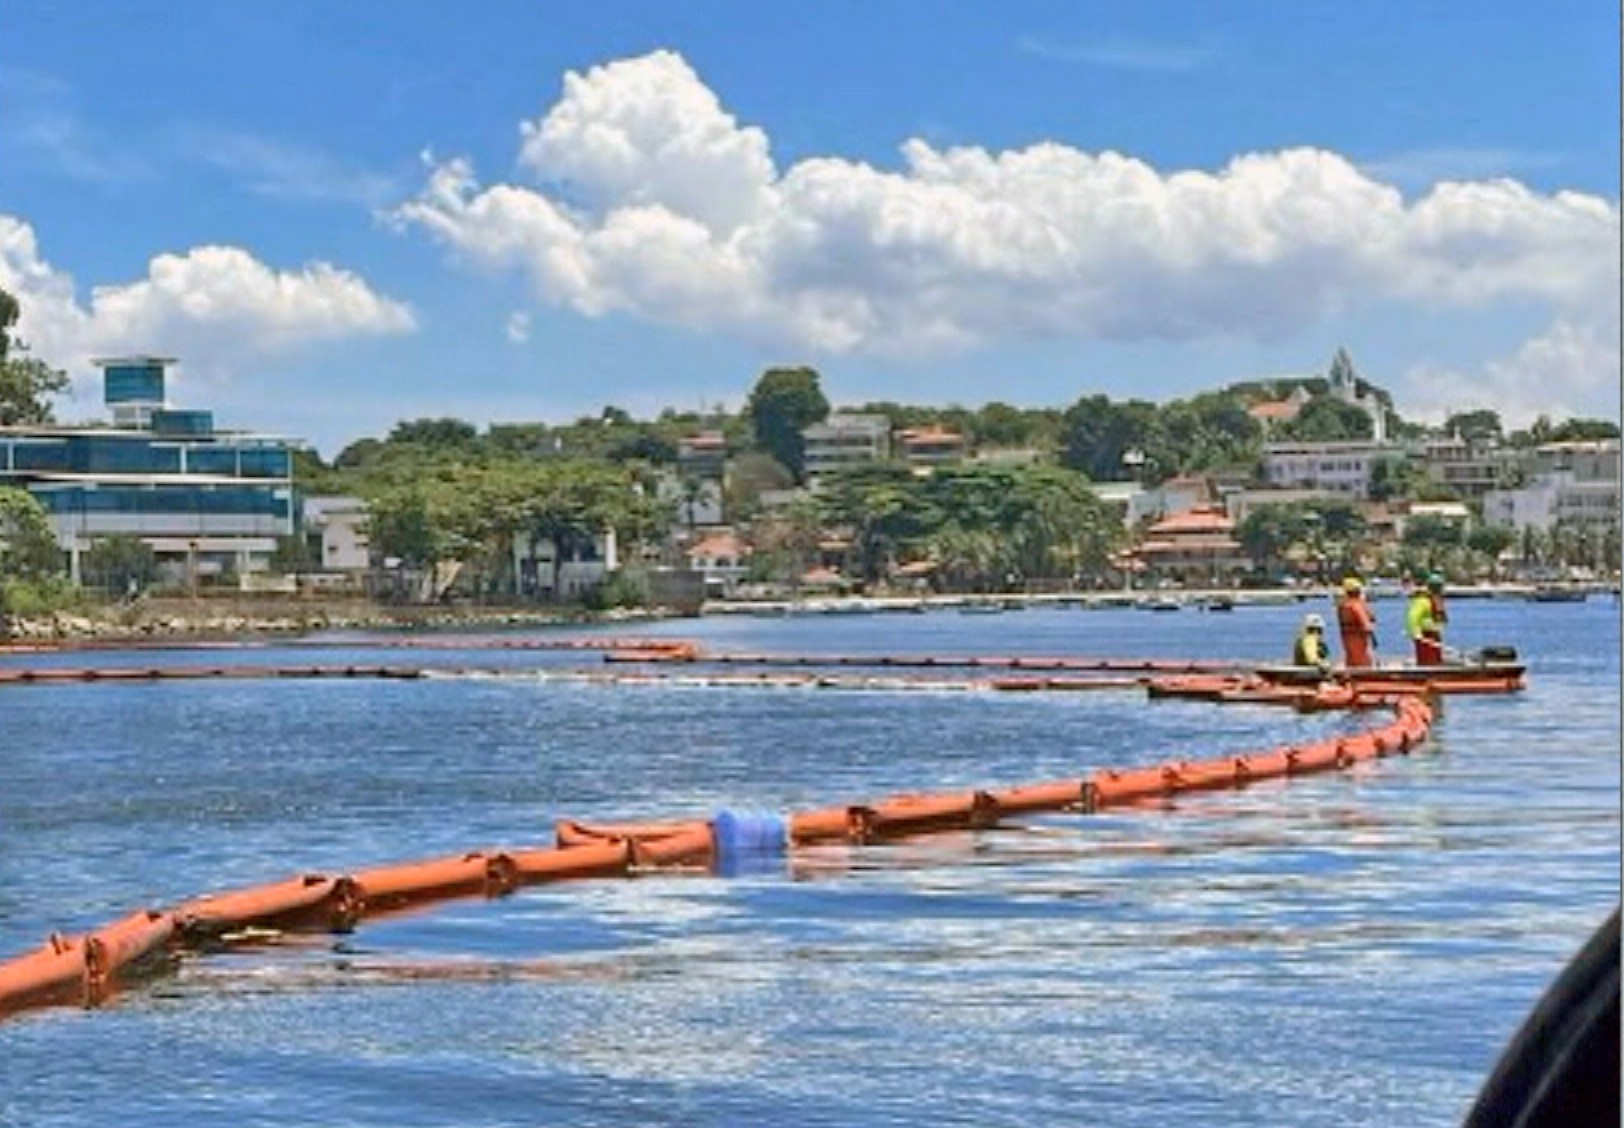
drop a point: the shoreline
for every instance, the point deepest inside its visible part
(168, 621)
(157, 621)
(1161, 599)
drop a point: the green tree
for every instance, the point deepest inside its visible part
(453, 433)
(1489, 541)
(120, 564)
(788, 539)
(1101, 437)
(313, 476)
(357, 455)
(1059, 527)
(26, 383)
(1327, 420)
(1432, 539)
(1475, 426)
(1398, 479)
(1209, 432)
(881, 503)
(401, 526)
(28, 548)
(1584, 430)
(749, 475)
(784, 402)
(1269, 532)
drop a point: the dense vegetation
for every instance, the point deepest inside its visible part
(442, 492)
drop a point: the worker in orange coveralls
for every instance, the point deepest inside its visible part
(1356, 623)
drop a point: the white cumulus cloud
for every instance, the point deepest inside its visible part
(215, 307)
(1570, 369)
(648, 198)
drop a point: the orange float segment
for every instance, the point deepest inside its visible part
(829, 824)
(1059, 796)
(918, 814)
(54, 974)
(1358, 748)
(311, 900)
(118, 948)
(695, 846)
(391, 887)
(1201, 775)
(602, 859)
(569, 833)
(1261, 765)
(1110, 787)
(1320, 756)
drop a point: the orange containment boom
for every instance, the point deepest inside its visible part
(116, 951)
(52, 975)
(88, 970)
(398, 887)
(310, 901)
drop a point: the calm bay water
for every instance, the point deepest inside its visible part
(1342, 950)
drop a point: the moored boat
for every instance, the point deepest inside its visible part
(1493, 669)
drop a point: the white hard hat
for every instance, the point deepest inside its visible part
(1313, 623)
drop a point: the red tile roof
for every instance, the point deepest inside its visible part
(1274, 409)
(1195, 521)
(713, 545)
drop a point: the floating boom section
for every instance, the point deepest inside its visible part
(88, 970)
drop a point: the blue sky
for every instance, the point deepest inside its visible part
(343, 215)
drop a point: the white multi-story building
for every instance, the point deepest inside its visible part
(923, 447)
(1470, 469)
(1569, 484)
(702, 456)
(206, 501)
(336, 528)
(1340, 467)
(550, 569)
(843, 441)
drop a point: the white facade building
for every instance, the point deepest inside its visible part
(206, 501)
(723, 559)
(1470, 469)
(337, 532)
(1569, 484)
(548, 570)
(843, 441)
(1340, 467)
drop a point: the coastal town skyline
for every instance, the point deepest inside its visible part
(1028, 209)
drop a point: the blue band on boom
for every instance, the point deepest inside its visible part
(749, 832)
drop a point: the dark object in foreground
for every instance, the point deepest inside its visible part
(1562, 1068)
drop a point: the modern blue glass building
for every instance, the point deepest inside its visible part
(205, 500)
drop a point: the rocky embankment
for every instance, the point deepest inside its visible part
(114, 625)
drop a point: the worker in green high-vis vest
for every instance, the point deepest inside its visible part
(1424, 619)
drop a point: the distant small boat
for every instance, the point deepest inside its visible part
(1218, 603)
(1158, 604)
(1553, 593)
(981, 609)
